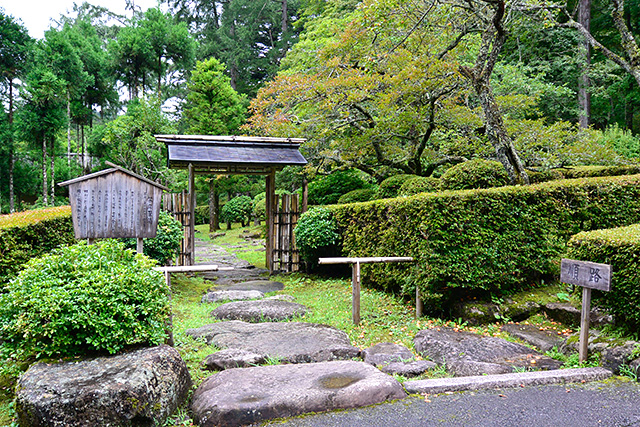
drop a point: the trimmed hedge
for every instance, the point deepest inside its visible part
(419, 184)
(389, 187)
(595, 171)
(26, 235)
(476, 173)
(619, 247)
(355, 196)
(478, 241)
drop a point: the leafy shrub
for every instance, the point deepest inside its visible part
(419, 184)
(202, 214)
(328, 189)
(361, 195)
(544, 176)
(622, 141)
(476, 173)
(389, 187)
(595, 171)
(482, 241)
(317, 235)
(164, 247)
(619, 247)
(260, 209)
(237, 209)
(26, 235)
(83, 299)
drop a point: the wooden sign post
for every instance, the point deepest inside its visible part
(355, 279)
(589, 275)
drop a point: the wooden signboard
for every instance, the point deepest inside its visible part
(589, 275)
(114, 203)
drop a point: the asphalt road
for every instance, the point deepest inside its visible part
(615, 402)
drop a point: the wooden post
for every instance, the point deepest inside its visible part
(167, 277)
(305, 195)
(271, 193)
(584, 323)
(418, 303)
(192, 215)
(140, 245)
(355, 293)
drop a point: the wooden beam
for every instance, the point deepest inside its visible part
(192, 216)
(191, 268)
(271, 194)
(363, 260)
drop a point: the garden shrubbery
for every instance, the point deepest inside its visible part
(355, 196)
(328, 189)
(619, 247)
(317, 235)
(238, 209)
(419, 184)
(83, 299)
(481, 241)
(164, 247)
(26, 235)
(389, 187)
(476, 173)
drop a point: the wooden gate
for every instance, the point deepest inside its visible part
(177, 204)
(285, 254)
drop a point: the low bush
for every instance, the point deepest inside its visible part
(481, 241)
(202, 214)
(259, 210)
(164, 247)
(355, 196)
(544, 176)
(237, 209)
(389, 187)
(419, 184)
(476, 173)
(27, 235)
(328, 189)
(595, 171)
(83, 299)
(317, 235)
(619, 247)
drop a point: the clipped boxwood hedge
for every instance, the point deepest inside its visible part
(476, 173)
(619, 247)
(493, 240)
(29, 234)
(594, 171)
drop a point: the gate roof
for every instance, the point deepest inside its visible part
(232, 154)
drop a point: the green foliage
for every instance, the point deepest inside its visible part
(419, 184)
(328, 189)
(391, 186)
(29, 234)
(84, 299)
(595, 171)
(545, 175)
(164, 247)
(481, 241)
(476, 173)
(621, 141)
(213, 106)
(619, 247)
(202, 214)
(260, 208)
(237, 209)
(317, 234)
(360, 195)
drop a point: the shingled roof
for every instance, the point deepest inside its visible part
(232, 154)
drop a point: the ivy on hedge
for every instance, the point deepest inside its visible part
(492, 240)
(29, 234)
(619, 247)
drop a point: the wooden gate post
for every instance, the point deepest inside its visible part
(192, 213)
(271, 193)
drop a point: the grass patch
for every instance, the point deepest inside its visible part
(242, 248)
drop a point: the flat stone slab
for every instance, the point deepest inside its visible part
(242, 396)
(259, 311)
(219, 296)
(233, 358)
(561, 376)
(543, 340)
(467, 354)
(141, 388)
(385, 353)
(408, 369)
(291, 342)
(226, 279)
(264, 286)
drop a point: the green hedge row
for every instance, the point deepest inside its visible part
(619, 247)
(480, 241)
(27, 235)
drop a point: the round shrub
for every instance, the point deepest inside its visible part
(545, 176)
(328, 189)
(419, 184)
(84, 299)
(260, 209)
(355, 196)
(164, 247)
(317, 234)
(237, 209)
(389, 187)
(202, 214)
(476, 173)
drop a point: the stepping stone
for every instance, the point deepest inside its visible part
(218, 296)
(264, 286)
(385, 353)
(281, 298)
(259, 311)
(467, 354)
(543, 340)
(233, 358)
(252, 395)
(408, 369)
(291, 342)
(226, 278)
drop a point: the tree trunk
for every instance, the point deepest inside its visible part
(214, 206)
(69, 128)
(285, 16)
(12, 160)
(45, 200)
(584, 97)
(53, 173)
(159, 80)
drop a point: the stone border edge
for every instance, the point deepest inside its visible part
(560, 376)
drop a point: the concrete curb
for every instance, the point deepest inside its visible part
(481, 382)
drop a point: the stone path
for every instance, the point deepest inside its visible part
(210, 253)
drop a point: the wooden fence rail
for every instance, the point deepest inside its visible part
(177, 204)
(285, 254)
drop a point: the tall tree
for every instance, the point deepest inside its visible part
(15, 47)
